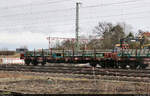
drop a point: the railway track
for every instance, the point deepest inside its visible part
(78, 70)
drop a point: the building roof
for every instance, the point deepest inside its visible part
(146, 34)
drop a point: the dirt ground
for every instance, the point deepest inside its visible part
(50, 83)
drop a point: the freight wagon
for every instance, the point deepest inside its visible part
(124, 58)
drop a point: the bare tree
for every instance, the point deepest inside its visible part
(110, 34)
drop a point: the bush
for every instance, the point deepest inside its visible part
(7, 52)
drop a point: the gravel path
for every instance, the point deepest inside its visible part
(48, 83)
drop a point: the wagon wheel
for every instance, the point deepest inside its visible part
(103, 66)
(100, 64)
(34, 62)
(123, 66)
(43, 63)
(133, 65)
(27, 62)
(112, 64)
(93, 64)
(142, 66)
(116, 65)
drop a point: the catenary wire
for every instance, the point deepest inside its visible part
(32, 4)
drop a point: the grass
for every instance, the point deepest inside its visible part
(5, 93)
(16, 55)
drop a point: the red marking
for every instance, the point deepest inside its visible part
(22, 56)
(66, 59)
(87, 58)
(146, 59)
(76, 58)
(40, 58)
(98, 59)
(132, 58)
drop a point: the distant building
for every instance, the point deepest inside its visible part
(144, 34)
(21, 50)
(147, 35)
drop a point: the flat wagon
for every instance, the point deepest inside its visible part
(125, 58)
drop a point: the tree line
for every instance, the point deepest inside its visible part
(109, 35)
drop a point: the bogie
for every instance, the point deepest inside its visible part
(34, 62)
(27, 62)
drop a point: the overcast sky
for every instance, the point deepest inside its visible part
(29, 22)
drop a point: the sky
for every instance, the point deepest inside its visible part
(29, 22)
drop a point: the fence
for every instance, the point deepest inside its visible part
(11, 61)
